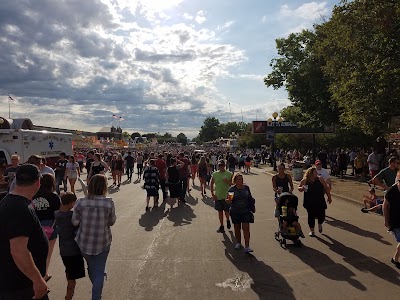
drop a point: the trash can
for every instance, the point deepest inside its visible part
(297, 173)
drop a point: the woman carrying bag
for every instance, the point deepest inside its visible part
(314, 188)
(241, 212)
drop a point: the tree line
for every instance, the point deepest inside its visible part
(345, 71)
(165, 138)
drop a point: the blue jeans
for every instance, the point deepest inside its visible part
(96, 270)
(129, 171)
(59, 180)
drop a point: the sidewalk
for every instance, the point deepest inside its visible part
(347, 189)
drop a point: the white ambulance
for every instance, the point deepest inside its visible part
(27, 142)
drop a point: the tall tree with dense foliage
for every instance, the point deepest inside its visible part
(299, 70)
(210, 130)
(181, 138)
(360, 45)
(346, 71)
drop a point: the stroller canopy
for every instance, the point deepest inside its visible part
(293, 201)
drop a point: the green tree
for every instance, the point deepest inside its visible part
(299, 70)
(228, 128)
(135, 134)
(210, 130)
(168, 135)
(360, 46)
(181, 138)
(149, 135)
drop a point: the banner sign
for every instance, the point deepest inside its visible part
(261, 127)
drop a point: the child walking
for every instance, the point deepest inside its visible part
(69, 250)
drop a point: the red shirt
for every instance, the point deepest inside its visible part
(184, 172)
(161, 165)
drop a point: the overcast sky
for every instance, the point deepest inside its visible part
(162, 65)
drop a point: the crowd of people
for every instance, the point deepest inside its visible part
(36, 211)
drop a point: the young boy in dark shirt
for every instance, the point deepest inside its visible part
(69, 250)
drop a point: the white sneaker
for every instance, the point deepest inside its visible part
(248, 250)
(237, 246)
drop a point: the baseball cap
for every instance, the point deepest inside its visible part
(221, 162)
(317, 162)
(27, 174)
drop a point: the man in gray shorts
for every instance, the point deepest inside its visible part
(222, 179)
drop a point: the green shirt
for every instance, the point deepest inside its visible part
(387, 176)
(221, 188)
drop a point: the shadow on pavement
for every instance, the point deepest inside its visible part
(181, 215)
(251, 173)
(191, 200)
(136, 181)
(150, 219)
(268, 284)
(356, 230)
(125, 182)
(362, 262)
(324, 265)
(208, 200)
(113, 190)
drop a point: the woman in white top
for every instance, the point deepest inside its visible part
(72, 172)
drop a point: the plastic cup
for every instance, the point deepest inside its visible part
(230, 196)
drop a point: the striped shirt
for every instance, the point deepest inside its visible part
(94, 217)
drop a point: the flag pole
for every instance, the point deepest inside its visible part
(9, 106)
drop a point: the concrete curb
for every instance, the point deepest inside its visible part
(338, 196)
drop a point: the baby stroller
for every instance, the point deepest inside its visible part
(290, 233)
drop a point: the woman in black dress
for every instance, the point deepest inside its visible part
(45, 203)
(98, 166)
(173, 181)
(314, 188)
(202, 174)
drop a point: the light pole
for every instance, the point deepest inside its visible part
(273, 121)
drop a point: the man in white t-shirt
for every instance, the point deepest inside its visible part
(323, 173)
(373, 164)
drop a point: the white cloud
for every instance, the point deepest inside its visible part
(264, 19)
(226, 25)
(92, 60)
(308, 11)
(200, 17)
(295, 19)
(187, 16)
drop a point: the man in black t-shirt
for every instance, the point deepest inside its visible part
(129, 162)
(89, 162)
(391, 211)
(231, 163)
(60, 172)
(23, 245)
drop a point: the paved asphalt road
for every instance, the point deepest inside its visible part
(179, 255)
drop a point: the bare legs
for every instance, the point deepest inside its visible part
(51, 248)
(72, 184)
(246, 233)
